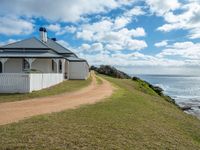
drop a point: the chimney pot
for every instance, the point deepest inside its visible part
(43, 34)
(53, 39)
(41, 29)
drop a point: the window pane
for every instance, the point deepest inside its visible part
(26, 65)
(0, 67)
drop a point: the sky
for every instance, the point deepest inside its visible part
(136, 36)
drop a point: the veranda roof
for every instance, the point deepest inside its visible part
(17, 54)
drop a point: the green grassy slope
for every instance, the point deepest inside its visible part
(66, 86)
(135, 117)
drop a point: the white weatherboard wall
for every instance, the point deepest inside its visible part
(24, 83)
(78, 70)
(13, 65)
(43, 65)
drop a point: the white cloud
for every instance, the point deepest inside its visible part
(113, 34)
(110, 37)
(138, 32)
(85, 34)
(121, 22)
(70, 29)
(101, 26)
(66, 29)
(90, 48)
(160, 7)
(161, 44)
(15, 26)
(187, 19)
(97, 47)
(136, 11)
(54, 27)
(122, 39)
(64, 10)
(114, 47)
(194, 33)
(59, 30)
(170, 27)
(131, 60)
(184, 50)
(187, 54)
(127, 17)
(136, 44)
(85, 46)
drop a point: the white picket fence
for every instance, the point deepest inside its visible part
(24, 83)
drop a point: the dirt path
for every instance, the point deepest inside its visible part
(15, 111)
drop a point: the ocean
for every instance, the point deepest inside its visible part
(185, 90)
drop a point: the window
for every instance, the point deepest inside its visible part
(52, 65)
(26, 65)
(60, 66)
(0, 67)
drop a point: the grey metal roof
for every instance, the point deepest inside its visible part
(34, 48)
(31, 43)
(18, 54)
(57, 47)
(75, 59)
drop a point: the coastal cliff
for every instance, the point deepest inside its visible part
(113, 72)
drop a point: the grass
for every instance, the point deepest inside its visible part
(99, 81)
(146, 88)
(66, 86)
(134, 117)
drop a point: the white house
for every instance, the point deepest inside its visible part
(33, 64)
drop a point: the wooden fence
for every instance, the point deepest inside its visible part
(24, 83)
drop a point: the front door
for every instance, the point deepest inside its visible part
(0, 67)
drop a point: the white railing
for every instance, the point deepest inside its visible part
(24, 83)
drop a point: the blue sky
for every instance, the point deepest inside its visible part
(136, 36)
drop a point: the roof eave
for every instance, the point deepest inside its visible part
(27, 57)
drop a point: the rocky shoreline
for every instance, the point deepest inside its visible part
(192, 107)
(186, 108)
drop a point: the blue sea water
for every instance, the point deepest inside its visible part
(184, 89)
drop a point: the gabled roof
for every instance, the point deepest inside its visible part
(34, 43)
(33, 47)
(57, 47)
(31, 43)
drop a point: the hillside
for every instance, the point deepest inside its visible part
(134, 117)
(110, 71)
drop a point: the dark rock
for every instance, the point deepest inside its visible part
(157, 89)
(186, 108)
(136, 79)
